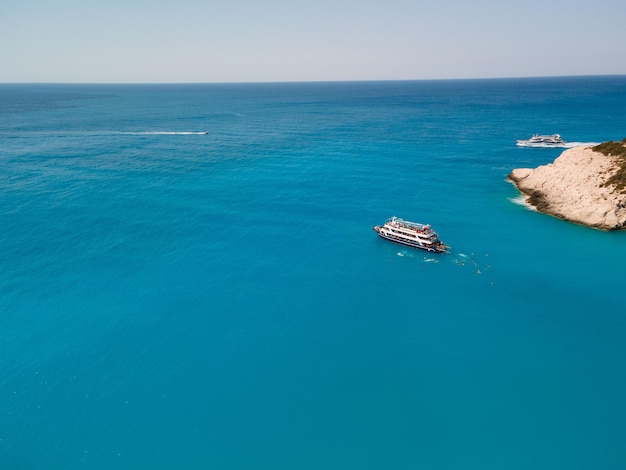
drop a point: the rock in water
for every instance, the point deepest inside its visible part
(575, 188)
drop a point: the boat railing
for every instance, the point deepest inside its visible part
(397, 222)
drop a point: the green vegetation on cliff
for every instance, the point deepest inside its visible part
(617, 150)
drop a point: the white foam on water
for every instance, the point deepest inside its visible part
(571, 145)
(521, 201)
(165, 133)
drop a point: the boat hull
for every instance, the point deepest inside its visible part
(413, 244)
(526, 143)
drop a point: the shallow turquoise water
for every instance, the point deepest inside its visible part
(176, 299)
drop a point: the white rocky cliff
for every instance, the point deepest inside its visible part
(573, 188)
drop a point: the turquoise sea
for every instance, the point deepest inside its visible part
(189, 279)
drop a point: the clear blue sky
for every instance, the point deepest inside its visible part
(293, 40)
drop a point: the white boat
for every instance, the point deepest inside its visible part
(536, 140)
(412, 234)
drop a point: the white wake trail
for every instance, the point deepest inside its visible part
(165, 133)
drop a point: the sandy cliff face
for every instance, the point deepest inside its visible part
(571, 188)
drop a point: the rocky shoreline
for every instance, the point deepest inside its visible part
(574, 187)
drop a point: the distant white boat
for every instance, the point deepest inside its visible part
(537, 140)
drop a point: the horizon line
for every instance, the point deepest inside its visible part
(259, 82)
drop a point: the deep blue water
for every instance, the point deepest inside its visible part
(172, 299)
